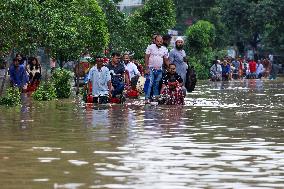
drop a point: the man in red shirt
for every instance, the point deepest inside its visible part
(252, 69)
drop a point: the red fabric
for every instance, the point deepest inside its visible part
(174, 95)
(114, 100)
(90, 99)
(252, 66)
(90, 87)
(132, 93)
(106, 60)
(85, 65)
(32, 87)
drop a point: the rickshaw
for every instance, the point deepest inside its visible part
(80, 71)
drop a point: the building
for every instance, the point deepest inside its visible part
(128, 6)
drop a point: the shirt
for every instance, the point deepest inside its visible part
(132, 70)
(34, 70)
(252, 66)
(171, 78)
(99, 79)
(116, 72)
(157, 55)
(226, 69)
(216, 69)
(236, 64)
(259, 69)
(176, 57)
(18, 76)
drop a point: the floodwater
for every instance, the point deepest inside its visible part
(228, 135)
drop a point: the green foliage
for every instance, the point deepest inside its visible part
(200, 37)
(156, 16)
(45, 92)
(199, 43)
(237, 17)
(116, 23)
(12, 97)
(133, 33)
(199, 68)
(273, 31)
(64, 28)
(71, 27)
(61, 80)
(19, 22)
(190, 11)
(247, 19)
(58, 87)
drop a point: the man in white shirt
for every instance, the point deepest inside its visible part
(131, 69)
(156, 55)
(216, 71)
(259, 69)
(100, 78)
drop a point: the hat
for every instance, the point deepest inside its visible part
(179, 39)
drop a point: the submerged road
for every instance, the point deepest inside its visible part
(228, 135)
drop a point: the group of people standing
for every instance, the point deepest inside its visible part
(164, 72)
(24, 71)
(231, 68)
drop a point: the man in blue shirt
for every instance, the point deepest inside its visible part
(117, 72)
(226, 69)
(18, 75)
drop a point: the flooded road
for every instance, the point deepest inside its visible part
(228, 135)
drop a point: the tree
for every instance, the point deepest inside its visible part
(71, 27)
(273, 32)
(199, 43)
(66, 28)
(133, 33)
(19, 20)
(190, 11)
(252, 22)
(116, 23)
(156, 16)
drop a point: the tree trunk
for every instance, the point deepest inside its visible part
(5, 75)
(4, 80)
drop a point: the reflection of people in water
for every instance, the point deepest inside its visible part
(163, 119)
(98, 117)
(254, 84)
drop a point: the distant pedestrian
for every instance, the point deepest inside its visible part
(52, 64)
(259, 69)
(274, 71)
(18, 75)
(34, 70)
(216, 71)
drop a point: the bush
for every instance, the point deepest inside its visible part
(61, 80)
(200, 39)
(45, 92)
(12, 98)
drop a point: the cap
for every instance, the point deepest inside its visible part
(179, 39)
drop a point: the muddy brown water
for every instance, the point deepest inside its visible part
(228, 135)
